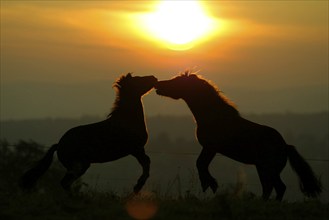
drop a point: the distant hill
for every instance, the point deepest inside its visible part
(66, 99)
(48, 130)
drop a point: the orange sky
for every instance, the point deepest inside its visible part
(263, 44)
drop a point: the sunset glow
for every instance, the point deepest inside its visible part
(179, 24)
(67, 53)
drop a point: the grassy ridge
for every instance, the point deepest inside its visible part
(96, 205)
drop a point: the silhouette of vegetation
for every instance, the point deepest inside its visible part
(123, 133)
(14, 160)
(95, 205)
(221, 129)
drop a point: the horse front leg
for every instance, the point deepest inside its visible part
(202, 164)
(145, 162)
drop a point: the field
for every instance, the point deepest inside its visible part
(97, 205)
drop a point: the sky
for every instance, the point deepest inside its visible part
(60, 58)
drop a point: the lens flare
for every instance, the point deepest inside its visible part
(142, 206)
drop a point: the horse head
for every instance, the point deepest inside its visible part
(182, 86)
(135, 85)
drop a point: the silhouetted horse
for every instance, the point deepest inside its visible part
(123, 133)
(220, 129)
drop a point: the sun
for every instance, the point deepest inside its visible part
(179, 24)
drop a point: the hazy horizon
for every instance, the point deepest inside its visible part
(96, 99)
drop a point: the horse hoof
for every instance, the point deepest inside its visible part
(214, 188)
(137, 189)
(205, 186)
(212, 183)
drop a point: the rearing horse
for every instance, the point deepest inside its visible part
(123, 133)
(221, 129)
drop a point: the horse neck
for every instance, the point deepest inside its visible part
(208, 110)
(129, 109)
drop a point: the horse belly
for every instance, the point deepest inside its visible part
(242, 150)
(106, 155)
(114, 148)
(243, 154)
(97, 145)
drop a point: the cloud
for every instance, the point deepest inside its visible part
(76, 23)
(283, 13)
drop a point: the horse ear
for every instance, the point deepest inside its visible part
(129, 75)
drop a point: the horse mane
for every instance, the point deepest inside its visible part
(212, 89)
(119, 85)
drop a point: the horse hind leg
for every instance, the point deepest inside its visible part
(279, 187)
(145, 162)
(72, 174)
(266, 181)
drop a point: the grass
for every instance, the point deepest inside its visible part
(101, 206)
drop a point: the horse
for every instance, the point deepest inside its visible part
(221, 129)
(122, 133)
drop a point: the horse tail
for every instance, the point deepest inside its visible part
(29, 179)
(309, 184)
